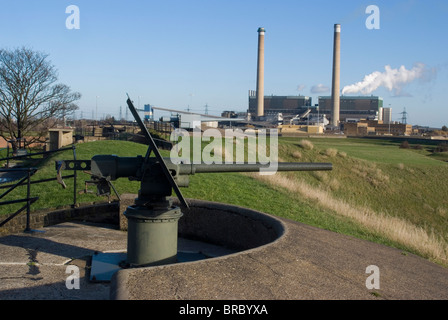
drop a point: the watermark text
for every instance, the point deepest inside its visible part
(235, 147)
(72, 281)
(73, 20)
(373, 20)
(373, 281)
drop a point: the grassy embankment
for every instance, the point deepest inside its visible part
(398, 194)
(376, 190)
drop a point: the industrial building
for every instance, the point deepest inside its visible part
(387, 115)
(376, 127)
(190, 121)
(354, 108)
(286, 105)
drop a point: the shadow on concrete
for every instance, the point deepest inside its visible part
(33, 245)
(34, 266)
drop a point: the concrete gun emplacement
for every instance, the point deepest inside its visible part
(153, 220)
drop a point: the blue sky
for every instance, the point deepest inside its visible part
(180, 54)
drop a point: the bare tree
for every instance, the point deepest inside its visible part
(29, 95)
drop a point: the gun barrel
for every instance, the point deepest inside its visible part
(245, 167)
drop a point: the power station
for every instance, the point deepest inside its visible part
(352, 108)
(287, 105)
(331, 112)
(262, 108)
(286, 111)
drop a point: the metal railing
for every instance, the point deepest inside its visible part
(28, 173)
(25, 177)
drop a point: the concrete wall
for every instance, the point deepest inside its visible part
(227, 225)
(101, 212)
(221, 224)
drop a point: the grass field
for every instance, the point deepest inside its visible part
(52, 195)
(393, 196)
(376, 191)
(402, 189)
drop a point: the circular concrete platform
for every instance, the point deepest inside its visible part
(279, 259)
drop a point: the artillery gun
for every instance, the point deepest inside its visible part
(152, 219)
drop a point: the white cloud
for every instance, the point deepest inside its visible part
(319, 88)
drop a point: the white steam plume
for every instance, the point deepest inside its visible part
(391, 79)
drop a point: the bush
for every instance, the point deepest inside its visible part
(441, 147)
(297, 155)
(331, 152)
(404, 145)
(306, 144)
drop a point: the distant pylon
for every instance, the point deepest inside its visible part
(404, 118)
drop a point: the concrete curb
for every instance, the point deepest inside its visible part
(210, 222)
(301, 263)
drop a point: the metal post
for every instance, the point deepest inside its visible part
(74, 178)
(28, 203)
(7, 155)
(318, 118)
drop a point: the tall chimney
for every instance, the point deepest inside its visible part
(335, 99)
(260, 73)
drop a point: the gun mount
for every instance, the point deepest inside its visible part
(153, 220)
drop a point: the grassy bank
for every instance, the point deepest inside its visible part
(397, 192)
(376, 191)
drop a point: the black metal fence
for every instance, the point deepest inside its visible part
(23, 175)
(28, 173)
